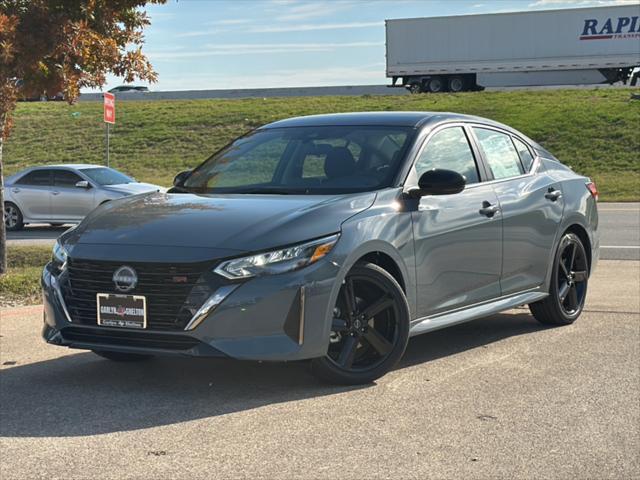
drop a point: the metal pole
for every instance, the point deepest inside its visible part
(107, 144)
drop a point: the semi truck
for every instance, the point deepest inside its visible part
(541, 47)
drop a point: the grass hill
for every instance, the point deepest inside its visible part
(595, 131)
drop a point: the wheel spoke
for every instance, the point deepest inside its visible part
(348, 352)
(564, 290)
(564, 268)
(350, 298)
(379, 306)
(338, 325)
(580, 276)
(377, 341)
(573, 256)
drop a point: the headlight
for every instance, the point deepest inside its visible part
(59, 257)
(278, 261)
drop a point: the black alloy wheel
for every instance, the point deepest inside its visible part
(370, 328)
(568, 284)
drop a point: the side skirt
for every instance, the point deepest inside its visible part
(466, 314)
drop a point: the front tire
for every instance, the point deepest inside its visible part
(13, 219)
(415, 88)
(122, 356)
(569, 280)
(370, 328)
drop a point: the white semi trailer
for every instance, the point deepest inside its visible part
(550, 47)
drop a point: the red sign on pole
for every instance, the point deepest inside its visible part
(109, 108)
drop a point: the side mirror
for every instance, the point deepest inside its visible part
(440, 182)
(83, 184)
(181, 177)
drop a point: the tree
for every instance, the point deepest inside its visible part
(60, 46)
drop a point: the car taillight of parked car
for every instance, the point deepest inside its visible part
(591, 186)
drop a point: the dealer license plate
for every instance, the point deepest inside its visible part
(124, 311)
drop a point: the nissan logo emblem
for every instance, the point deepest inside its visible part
(125, 279)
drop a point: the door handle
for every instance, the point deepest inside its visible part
(15, 190)
(553, 194)
(55, 192)
(488, 209)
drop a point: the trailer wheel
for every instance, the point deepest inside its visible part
(456, 84)
(414, 87)
(435, 85)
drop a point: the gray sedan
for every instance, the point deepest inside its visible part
(59, 194)
(332, 238)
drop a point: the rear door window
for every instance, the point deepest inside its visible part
(449, 149)
(500, 153)
(36, 178)
(525, 154)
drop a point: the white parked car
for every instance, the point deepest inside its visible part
(59, 194)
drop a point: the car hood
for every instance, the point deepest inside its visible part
(133, 188)
(224, 222)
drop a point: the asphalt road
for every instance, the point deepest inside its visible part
(620, 232)
(342, 90)
(501, 397)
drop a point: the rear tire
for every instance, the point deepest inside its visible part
(370, 328)
(435, 85)
(122, 356)
(13, 219)
(457, 84)
(568, 289)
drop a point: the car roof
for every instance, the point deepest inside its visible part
(76, 166)
(404, 119)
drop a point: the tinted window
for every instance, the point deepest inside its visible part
(313, 165)
(37, 177)
(257, 165)
(500, 153)
(525, 154)
(449, 149)
(305, 160)
(65, 178)
(106, 176)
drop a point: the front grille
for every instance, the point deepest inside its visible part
(173, 292)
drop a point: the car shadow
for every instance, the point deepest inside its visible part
(83, 394)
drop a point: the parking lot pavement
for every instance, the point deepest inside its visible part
(501, 397)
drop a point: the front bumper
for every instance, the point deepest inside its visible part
(272, 318)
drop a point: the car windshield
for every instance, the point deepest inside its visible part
(106, 176)
(305, 160)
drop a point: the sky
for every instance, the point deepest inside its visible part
(221, 44)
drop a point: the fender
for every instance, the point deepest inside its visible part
(577, 217)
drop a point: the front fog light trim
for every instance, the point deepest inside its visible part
(210, 305)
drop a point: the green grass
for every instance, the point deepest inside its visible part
(595, 131)
(21, 284)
